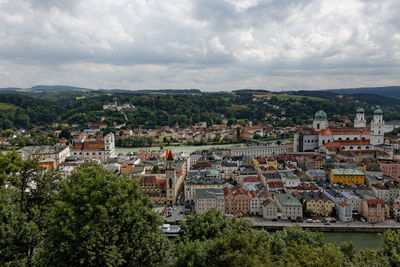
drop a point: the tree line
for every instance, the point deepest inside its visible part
(158, 110)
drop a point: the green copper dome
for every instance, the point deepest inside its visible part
(360, 110)
(320, 116)
(378, 111)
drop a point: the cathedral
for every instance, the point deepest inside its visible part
(321, 136)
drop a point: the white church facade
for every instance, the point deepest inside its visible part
(352, 138)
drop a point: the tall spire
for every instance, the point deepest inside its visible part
(170, 157)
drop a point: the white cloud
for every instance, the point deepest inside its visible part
(206, 44)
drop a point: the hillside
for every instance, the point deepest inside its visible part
(388, 91)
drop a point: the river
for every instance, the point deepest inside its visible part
(360, 240)
(174, 149)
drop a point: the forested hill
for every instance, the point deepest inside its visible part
(159, 108)
(389, 91)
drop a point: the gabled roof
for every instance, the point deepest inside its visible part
(170, 157)
(344, 131)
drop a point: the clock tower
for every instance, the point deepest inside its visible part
(171, 178)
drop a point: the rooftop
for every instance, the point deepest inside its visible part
(207, 193)
(36, 150)
(347, 172)
(287, 200)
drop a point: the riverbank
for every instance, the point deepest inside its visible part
(354, 227)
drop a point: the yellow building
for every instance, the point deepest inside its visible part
(319, 203)
(264, 162)
(348, 176)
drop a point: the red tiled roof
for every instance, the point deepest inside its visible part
(338, 144)
(153, 180)
(252, 179)
(275, 184)
(269, 201)
(344, 131)
(89, 145)
(375, 202)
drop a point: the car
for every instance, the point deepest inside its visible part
(327, 223)
(362, 219)
(299, 220)
(309, 220)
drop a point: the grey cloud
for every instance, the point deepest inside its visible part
(200, 43)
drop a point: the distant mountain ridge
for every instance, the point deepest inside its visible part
(390, 91)
(67, 88)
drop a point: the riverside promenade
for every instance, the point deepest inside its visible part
(355, 226)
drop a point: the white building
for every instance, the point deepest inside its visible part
(210, 198)
(258, 150)
(344, 212)
(344, 138)
(58, 152)
(257, 200)
(269, 209)
(291, 208)
(102, 149)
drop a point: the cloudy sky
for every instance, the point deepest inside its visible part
(206, 44)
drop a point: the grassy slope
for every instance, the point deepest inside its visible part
(5, 106)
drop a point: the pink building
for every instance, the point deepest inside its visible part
(390, 168)
(237, 201)
(373, 210)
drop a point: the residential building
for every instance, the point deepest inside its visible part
(289, 179)
(57, 153)
(257, 199)
(270, 209)
(211, 198)
(192, 184)
(390, 168)
(353, 200)
(319, 203)
(237, 201)
(344, 212)
(291, 208)
(373, 210)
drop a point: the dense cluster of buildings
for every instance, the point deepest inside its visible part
(347, 173)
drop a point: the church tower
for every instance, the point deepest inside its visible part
(320, 121)
(359, 120)
(171, 177)
(377, 126)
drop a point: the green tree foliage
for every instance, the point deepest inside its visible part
(211, 240)
(137, 141)
(25, 208)
(210, 225)
(102, 219)
(391, 246)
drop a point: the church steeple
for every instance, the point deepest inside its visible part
(359, 120)
(171, 177)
